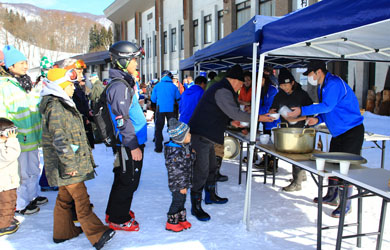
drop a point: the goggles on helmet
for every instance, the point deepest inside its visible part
(6, 131)
(80, 64)
(138, 54)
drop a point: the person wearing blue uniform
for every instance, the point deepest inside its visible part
(268, 93)
(339, 108)
(130, 123)
(190, 98)
(164, 94)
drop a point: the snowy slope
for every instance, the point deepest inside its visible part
(32, 13)
(279, 220)
(32, 52)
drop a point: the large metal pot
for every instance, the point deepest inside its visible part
(294, 140)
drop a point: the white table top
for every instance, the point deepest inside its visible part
(368, 136)
(372, 179)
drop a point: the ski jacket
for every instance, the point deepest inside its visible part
(164, 94)
(9, 166)
(189, 100)
(265, 105)
(21, 108)
(64, 141)
(217, 106)
(122, 103)
(338, 107)
(179, 160)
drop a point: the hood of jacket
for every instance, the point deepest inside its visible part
(55, 90)
(116, 73)
(194, 90)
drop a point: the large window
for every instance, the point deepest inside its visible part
(266, 8)
(173, 40)
(165, 42)
(155, 46)
(196, 32)
(207, 29)
(182, 37)
(149, 47)
(243, 13)
(220, 24)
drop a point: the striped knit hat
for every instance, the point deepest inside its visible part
(177, 130)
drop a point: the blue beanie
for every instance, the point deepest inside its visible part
(12, 56)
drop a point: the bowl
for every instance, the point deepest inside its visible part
(276, 115)
(264, 139)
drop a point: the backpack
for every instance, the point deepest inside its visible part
(102, 116)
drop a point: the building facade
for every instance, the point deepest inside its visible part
(172, 30)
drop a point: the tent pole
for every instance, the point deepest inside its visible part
(252, 135)
(255, 105)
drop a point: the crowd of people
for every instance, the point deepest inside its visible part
(55, 113)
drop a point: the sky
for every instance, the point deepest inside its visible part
(95, 7)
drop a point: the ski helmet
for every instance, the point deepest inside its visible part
(123, 52)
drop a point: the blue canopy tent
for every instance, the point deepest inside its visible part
(329, 30)
(237, 47)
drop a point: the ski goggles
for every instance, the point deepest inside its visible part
(70, 76)
(138, 54)
(6, 131)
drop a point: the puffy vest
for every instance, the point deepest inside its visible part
(208, 119)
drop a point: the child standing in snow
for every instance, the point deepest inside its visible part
(9, 176)
(179, 159)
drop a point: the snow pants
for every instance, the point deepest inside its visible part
(122, 190)
(64, 227)
(7, 207)
(29, 176)
(160, 123)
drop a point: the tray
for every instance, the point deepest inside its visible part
(337, 157)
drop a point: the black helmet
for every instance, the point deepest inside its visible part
(166, 73)
(123, 52)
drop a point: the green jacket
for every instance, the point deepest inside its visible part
(64, 142)
(97, 90)
(22, 109)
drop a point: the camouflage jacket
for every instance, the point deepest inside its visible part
(64, 142)
(179, 160)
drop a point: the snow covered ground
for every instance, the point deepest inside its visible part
(279, 220)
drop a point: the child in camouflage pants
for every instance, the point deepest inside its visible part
(179, 158)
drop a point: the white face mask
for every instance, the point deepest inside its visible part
(311, 80)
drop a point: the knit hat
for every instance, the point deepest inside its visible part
(12, 56)
(177, 130)
(285, 76)
(45, 63)
(58, 76)
(236, 72)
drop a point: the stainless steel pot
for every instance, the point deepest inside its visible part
(231, 147)
(294, 140)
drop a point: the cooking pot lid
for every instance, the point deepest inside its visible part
(337, 157)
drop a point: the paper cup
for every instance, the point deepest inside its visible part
(244, 124)
(242, 107)
(344, 167)
(276, 115)
(264, 139)
(320, 164)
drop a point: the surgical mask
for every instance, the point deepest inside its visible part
(311, 80)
